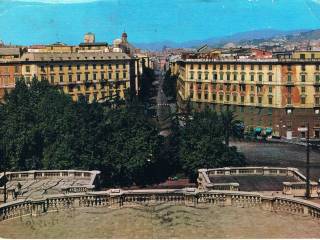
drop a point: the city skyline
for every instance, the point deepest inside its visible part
(177, 21)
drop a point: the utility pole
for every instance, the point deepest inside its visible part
(308, 164)
(4, 187)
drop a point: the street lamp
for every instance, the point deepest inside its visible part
(306, 129)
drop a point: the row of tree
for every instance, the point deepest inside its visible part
(42, 128)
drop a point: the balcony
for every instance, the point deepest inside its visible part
(316, 83)
(289, 83)
(316, 105)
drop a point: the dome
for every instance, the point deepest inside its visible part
(117, 41)
(124, 35)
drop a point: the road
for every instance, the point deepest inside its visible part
(163, 107)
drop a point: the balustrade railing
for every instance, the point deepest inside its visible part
(148, 197)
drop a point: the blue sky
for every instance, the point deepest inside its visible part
(47, 21)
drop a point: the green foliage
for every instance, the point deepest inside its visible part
(202, 144)
(146, 88)
(42, 128)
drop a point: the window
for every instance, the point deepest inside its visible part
(234, 98)
(16, 69)
(191, 66)
(78, 77)
(302, 56)
(94, 66)
(251, 99)
(102, 76)
(70, 78)
(69, 67)
(199, 95)
(215, 76)
(221, 76)
(260, 67)
(117, 66)
(252, 88)
(124, 75)
(317, 67)
(270, 89)
(303, 100)
(303, 78)
(289, 68)
(78, 67)
(27, 69)
(234, 87)
(242, 67)
(42, 68)
(259, 100)
(228, 97)
(199, 66)
(221, 87)
(317, 100)
(252, 67)
(221, 67)
(317, 78)
(317, 89)
(86, 66)
(289, 78)
(191, 75)
(60, 67)
(242, 99)
(52, 79)
(303, 89)
(289, 100)
(270, 100)
(214, 67)
(199, 75)
(289, 90)
(214, 97)
(235, 76)
(101, 66)
(206, 96)
(94, 77)
(191, 94)
(260, 77)
(117, 76)
(110, 76)
(228, 87)
(206, 67)
(252, 77)
(221, 97)
(43, 77)
(206, 76)
(270, 78)
(243, 77)
(270, 67)
(235, 67)
(228, 66)
(312, 55)
(191, 86)
(228, 76)
(124, 66)
(87, 77)
(303, 67)
(61, 78)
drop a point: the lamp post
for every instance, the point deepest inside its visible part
(308, 164)
(306, 129)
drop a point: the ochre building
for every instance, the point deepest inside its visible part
(273, 96)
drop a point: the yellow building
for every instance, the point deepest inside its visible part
(94, 75)
(274, 94)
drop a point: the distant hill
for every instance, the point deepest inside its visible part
(256, 36)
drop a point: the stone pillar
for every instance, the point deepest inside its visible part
(228, 200)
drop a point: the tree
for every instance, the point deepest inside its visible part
(202, 144)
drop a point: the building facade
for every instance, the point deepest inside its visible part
(271, 96)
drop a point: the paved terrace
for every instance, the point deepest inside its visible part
(36, 184)
(255, 183)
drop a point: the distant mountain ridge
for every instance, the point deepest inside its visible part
(263, 35)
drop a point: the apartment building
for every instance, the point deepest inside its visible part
(272, 96)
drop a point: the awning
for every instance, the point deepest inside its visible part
(258, 129)
(268, 130)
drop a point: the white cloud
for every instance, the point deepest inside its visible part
(57, 1)
(316, 1)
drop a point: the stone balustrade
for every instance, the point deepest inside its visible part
(189, 197)
(91, 178)
(290, 188)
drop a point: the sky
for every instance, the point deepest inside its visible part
(46, 21)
